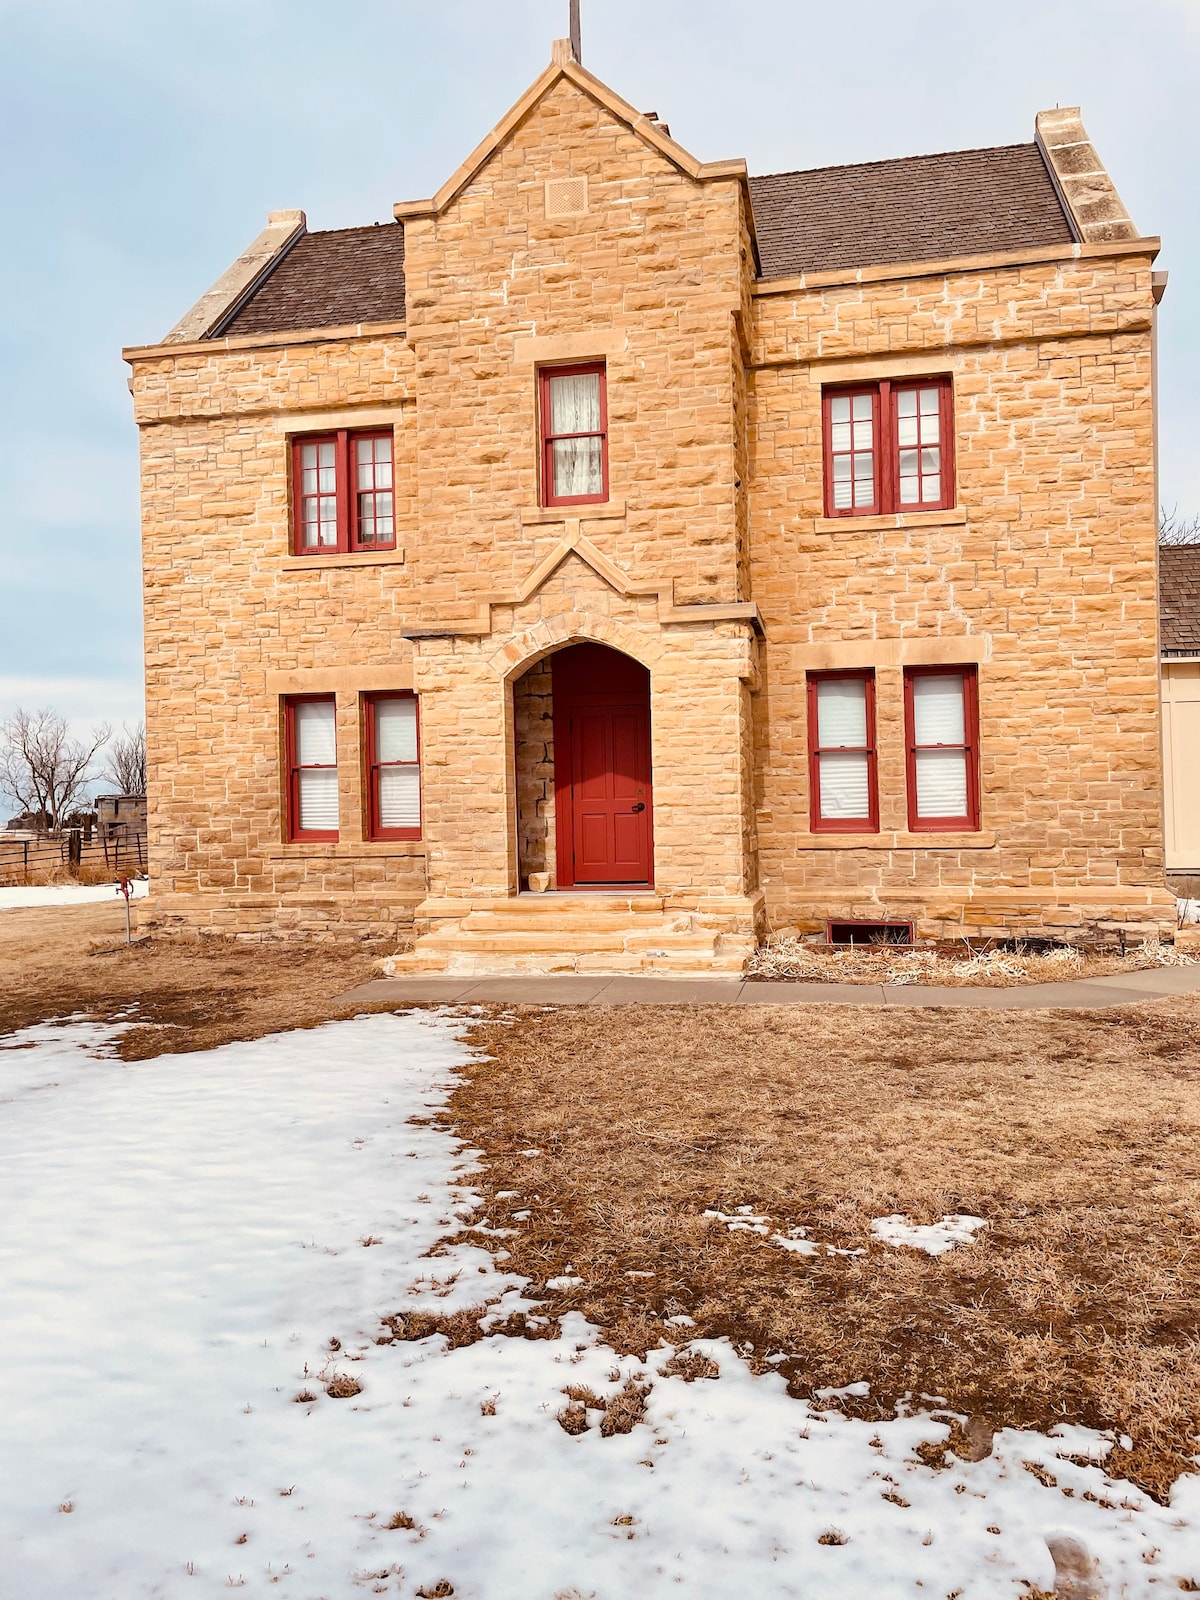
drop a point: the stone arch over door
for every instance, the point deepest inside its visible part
(583, 769)
(525, 649)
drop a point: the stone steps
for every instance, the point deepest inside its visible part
(619, 933)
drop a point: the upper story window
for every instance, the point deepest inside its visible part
(889, 447)
(310, 734)
(941, 718)
(343, 493)
(574, 425)
(844, 787)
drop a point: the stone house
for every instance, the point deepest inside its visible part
(711, 552)
(1179, 642)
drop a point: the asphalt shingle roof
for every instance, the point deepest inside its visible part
(1179, 599)
(918, 208)
(327, 279)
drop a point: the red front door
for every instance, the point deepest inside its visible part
(603, 799)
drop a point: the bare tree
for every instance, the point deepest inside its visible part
(42, 767)
(1174, 529)
(125, 766)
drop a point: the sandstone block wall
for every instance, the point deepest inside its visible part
(1043, 573)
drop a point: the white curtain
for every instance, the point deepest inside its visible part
(938, 719)
(316, 755)
(843, 775)
(577, 464)
(396, 741)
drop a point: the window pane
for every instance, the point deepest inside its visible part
(906, 431)
(840, 432)
(841, 712)
(938, 711)
(577, 467)
(319, 800)
(929, 402)
(575, 403)
(839, 408)
(941, 783)
(396, 729)
(316, 739)
(862, 406)
(844, 788)
(399, 797)
(906, 403)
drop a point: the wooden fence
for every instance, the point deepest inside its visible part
(113, 851)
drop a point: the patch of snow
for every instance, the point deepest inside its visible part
(564, 1282)
(67, 894)
(795, 1240)
(183, 1244)
(934, 1238)
(848, 1391)
(1187, 910)
(680, 1320)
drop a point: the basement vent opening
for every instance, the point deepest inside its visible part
(566, 197)
(871, 933)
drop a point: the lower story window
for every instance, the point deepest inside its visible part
(393, 767)
(844, 792)
(312, 788)
(941, 715)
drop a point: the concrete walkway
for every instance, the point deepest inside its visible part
(1120, 990)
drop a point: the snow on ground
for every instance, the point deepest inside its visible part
(184, 1237)
(66, 894)
(935, 1238)
(1187, 910)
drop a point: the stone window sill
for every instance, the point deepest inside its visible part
(344, 850)
(899, 840)
(955, 516)
(596, 511)
(352, 558)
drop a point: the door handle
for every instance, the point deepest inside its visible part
(641, 806)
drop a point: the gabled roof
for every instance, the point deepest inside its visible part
(326, 280)
(1179, 599)
(918, 208)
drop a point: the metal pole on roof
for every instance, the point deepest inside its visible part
(575, 47)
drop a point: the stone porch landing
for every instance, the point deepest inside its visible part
(627, 932)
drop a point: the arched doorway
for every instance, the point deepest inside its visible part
(603, 797)
(585, 807)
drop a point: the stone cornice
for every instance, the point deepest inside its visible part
(1002, 260)
(262, 341)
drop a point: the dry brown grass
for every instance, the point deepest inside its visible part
(1077, 1135)
(199, 994)
(958, 967)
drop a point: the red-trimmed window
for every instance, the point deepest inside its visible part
(843, 781)
(342, 493)
(941, 725)
(889, 447)
(310, 736)
(573, 405)
(393, 746)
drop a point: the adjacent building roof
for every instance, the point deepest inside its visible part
(1179, 599)
(326, 280)
(918, 208)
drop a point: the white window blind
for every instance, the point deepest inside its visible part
(843, 773)
(577, 464)
(399, 776)
(939, 719)
(918, 436)
(316, 757)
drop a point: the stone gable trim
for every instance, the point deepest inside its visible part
(238, 282)
(998, 261)
(1088, 194)
(575, 542)
(650, 132)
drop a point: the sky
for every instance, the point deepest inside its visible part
(142, 143)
